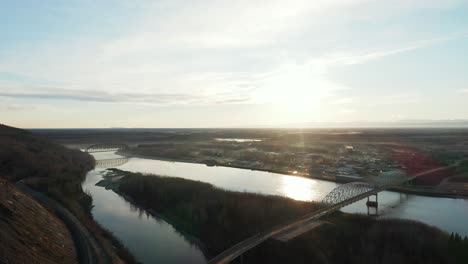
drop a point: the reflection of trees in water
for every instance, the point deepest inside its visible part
(139, 210)
(394, 205)
(107, 163)
(193, 241)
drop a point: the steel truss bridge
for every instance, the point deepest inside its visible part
(104, 147)
(110, 163)
(339, 197)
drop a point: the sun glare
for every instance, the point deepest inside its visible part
(298, 188)
(296, 90)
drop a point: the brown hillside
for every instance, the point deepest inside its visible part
(57, 172)
(24, 155)
(45, 166)
(29, 233)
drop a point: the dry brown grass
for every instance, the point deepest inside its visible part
(29, 233)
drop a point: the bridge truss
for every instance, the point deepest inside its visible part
(345, 192)
(110, 163)
(349, 190)
(105, 147)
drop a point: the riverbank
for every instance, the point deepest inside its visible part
(422, 191)
(329, 179)
(217, 217)
(429, 193)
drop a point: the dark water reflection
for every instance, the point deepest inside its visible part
(150, 239)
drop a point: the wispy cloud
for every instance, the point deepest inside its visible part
(351, 58)
(308, 79)
(396, 99)
(100, 96)
(11, 108)
(220, 52)
(154, 98)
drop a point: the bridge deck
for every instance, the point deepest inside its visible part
(295, 232)
(243, 246)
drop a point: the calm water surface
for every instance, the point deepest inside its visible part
(154, 240)
(150, 239)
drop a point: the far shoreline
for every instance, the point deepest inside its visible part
(405, 190)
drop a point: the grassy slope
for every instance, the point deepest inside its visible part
(29, 233)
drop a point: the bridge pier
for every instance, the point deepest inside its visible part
(373, 206)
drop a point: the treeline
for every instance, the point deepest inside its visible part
(458, 248)
(356, 239)
(218, 218)
(45, 166)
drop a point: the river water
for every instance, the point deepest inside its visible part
(153, 240)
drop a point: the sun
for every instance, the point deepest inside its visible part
(294, 90)
(297, 104)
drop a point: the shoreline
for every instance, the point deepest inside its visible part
(129, 155)
(406, 190)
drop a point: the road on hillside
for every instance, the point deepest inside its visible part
(87, 248)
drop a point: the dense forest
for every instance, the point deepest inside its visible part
(45, 166)
(221, 218)
(364, 240)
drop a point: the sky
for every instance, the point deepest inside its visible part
(174, 63)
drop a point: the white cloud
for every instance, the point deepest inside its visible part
(209, 52)
(345, 100)
(396, 99)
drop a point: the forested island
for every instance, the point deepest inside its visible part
(219, 219)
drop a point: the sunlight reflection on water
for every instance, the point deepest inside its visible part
(236, 179)
(300, 189)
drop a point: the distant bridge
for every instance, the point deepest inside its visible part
(339, 197)
(110, 163)
(103, 147)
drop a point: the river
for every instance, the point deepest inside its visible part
(153, 240)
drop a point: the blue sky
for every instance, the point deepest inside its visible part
(231, 63)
